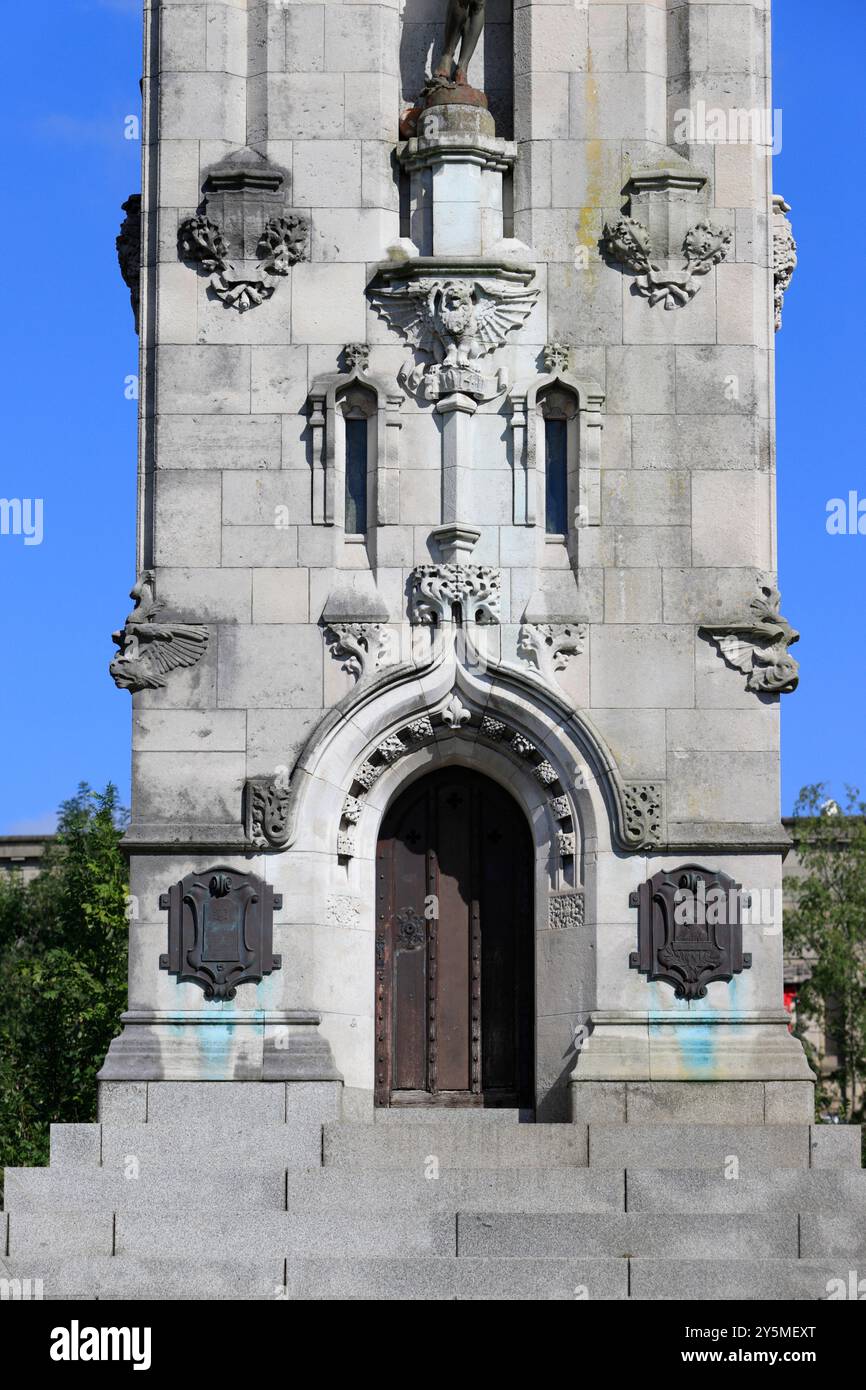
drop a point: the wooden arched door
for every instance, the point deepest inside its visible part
(454, 946)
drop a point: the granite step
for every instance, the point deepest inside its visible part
(597, 1235)
(421, 1149)
(737, 1149)
(748, 1280)
(433, 1279)
(783, 1189)
(162, 1187)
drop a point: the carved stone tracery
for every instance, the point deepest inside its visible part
(472, 593)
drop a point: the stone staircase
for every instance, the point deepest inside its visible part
(434, 1205)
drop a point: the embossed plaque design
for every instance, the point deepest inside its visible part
(690, 929)
(220, 930)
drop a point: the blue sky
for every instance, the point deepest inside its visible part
(67, 346)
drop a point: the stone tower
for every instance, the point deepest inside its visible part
(456, 653)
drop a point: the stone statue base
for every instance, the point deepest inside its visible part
(438, 92)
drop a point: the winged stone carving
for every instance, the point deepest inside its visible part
(149, 650)
(452, 324)
(705, 245)
(759, 646)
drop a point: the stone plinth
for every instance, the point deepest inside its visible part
(455, 165)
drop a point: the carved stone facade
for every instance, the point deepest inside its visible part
(429, 478)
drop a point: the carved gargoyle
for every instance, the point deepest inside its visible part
(150, 650)
(628, 243)
(759, 646)
(452, 324)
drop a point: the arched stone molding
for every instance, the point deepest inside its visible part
(391, 714)
(584, 459)
(325, 395)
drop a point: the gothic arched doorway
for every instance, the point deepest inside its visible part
(454, 946)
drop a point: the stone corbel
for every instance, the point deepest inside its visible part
(149, 650)
(440, 593)
(758, 645)
(667, 241)
(453, 312)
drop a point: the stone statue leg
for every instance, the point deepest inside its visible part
(455, 21)
(471, 34)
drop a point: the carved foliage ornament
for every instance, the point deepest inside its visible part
(759, 645)
(550, 646)
(282, 244)
(784, 256)
(266, 812)
(628, 243)
(643, 809)
(362, 648)
(452, 324)
(242, 235)
(442, 592)
(689, 929)
(220, 930)
(149, 650)
(128, 245)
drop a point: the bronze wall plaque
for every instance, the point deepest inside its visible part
(220, 930)
(690, 929)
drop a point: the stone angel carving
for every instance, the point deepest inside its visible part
(452, 323)
(150, 650)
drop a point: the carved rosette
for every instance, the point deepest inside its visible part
(642, 814)
(150, 650)
(628, 243)
(471, 593)
(550, 647)
(362, 648)
(690, 929)
(266, 812)
(758, 645)
(784, 256)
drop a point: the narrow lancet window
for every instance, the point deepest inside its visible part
(357, 433)
(556, 475)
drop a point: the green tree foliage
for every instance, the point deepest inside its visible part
(828, 927)
(63, 949)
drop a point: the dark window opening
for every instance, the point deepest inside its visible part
(356, 476)
(556, 477)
